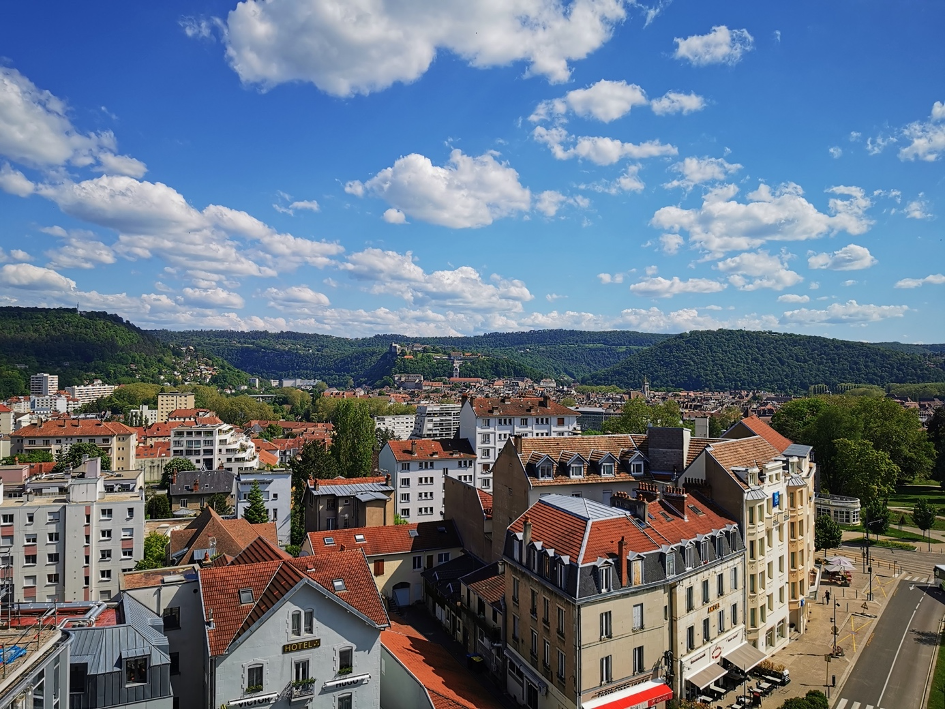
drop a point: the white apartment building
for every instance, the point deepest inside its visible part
(90, 393)
(167, 402)
(43, 384)
(487, 423)
(418, 468)
(53, 404)
(276, 489)
(436, 421)
(118, 440)
(70, 539)
(401, 425)
(211, 444)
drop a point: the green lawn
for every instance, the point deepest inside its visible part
(906, 496)
(890, 544)
(892, 532)
(937, 691)
(894, 518)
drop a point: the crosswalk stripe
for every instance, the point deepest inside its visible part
(855, 706)
(869, 707)
(842, 704)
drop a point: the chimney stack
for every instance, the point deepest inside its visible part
(413, 447)
(622, 560)
(526, 531)
(387, 479)
(517, 439)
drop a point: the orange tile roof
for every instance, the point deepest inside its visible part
(270, 581)
(519, 407)
(766, 432)
(232, 536)
(488, 583)
(448, 684)
(260, 550)
(390, 539)
(74, 427)
(438, 449)
(159, 430)
(267, 458)
(4, 408)
(188, 413)
(750, 451)
(154, 450)
(485, 499)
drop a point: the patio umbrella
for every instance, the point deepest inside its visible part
(841, 562)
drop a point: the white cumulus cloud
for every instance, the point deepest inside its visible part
(348, 47)
(852, 257)
(15, 182)
(659, 287)
(120, 165)
(392, 216)
(918, 209)
(29, 277)
(211, 298)
(793, 298)
(926, 138)
(720, 46)
(696, 171)
(598, 149)
(916, 283)
(750, 271)
(677, 102)
(850, 312)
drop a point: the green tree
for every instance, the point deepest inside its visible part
(353, 439)
(399, 520)
(175, 465)
(568, 402)
(794, 418)
(155, 545)
(272, 431)
(158, 507)
(827, 533)
(219, 502)
(897, 431)
(73, 457)
(875, 517)
(256, 510)
(633, 419)
(381, 437)
(923, 515)
(314, 461)
(666, 414)
(861, 471)
(936, 434)
(29, 457)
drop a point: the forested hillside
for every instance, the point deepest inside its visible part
(82, 346)
(737, 359)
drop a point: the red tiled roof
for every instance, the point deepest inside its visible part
(750, 451)
(485, 499)
(74, 427)
(158, 430)
(153, 577)
(448, 684)
(260, 550)
(766, 432)
(155, 450)
(390, 539)
(188, 413)
(267, 458)
(38, 468)
(488, 583)
(4, 408)
(232, 536)
(271, 581)
(439, 449)
(519, 407)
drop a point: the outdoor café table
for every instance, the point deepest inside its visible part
(716, 689)
(705, 699)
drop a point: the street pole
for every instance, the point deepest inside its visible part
(827, 677)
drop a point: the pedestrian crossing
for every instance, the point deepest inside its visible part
(842, 705)
(924, 579)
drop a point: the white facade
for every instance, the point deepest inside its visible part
(70, 539)
(418, 478)
(53, 404)
(43, 384)
(266, 657)
(213, 446)
(90, 393)
(436, 421)
(276, 489)
(401, 425)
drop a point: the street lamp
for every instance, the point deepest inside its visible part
(833, 620)
(869, 557)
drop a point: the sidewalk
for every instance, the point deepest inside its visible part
(805, 655)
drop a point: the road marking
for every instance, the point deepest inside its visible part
(854, 706)
(896, 657)
(842, 704)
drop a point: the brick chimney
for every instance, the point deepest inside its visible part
(526, 531)
(517, 439)
(678, 498)
(622, 560)
(413, 447)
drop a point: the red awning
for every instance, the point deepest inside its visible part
(643, 695)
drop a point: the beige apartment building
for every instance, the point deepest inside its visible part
(167, 402)
(54, 435)
(339, 503)
(616, 603)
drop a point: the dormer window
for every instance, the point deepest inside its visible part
(607, 469)
(576, 470)
(545, 471)
(670, 564)
(605, 578)
(636, 467)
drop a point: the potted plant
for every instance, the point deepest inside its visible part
(250, 689)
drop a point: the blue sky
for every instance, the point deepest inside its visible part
(358, 167)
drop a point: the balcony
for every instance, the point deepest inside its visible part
(302, 689)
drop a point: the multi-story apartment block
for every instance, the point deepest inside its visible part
(70, 538)
(289, 632)
(276, 489)
(53, 404)
(43, 384)
(39, 678)
(348, 503)
(418, 469)
(211, 444)
(593, 467)
(167, 402)
(89, 393)
(619, 604)
(400, 425)
(192, 490)
(436, 421)
(55, 435)
(487, 423)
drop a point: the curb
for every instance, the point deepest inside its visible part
(928, 679)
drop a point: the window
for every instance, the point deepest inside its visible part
(127, 554)
(705, 630)
(300, 672)
(29, 559)
(105, 514)
(29, 518)
(52, 537)
(378, 568)
(427, 510)
(606, 469)
(405, 512)
(127, 533)
(171, 617)
(734, 616)
(720, 584)
(606, 628)
(296, 623)
(533, 608)
(544, 610)
(546, 658)
(638, 660)
(637, 617)
(338, 585)
(52, 578)
(514, 627)
(671, 564)
(308, 618)
(690, 601)
(345, 701)
(345, 660)
(734, 578)
(606, 670)
(105, 555)
(6, 519)
(105, 535)
(561, 665)
(690, 638)
(175, 663)
(605, 575)
(576, 470)
(404, 497)
(721, 620)
(52, 558)
(545, 471)
(705, 591)
(29, 581)
(418, 562)
(442, 557)
(136, 670)
(254, 679)
(105, 575)
(405, 482)
(534, 647)
(561, 621)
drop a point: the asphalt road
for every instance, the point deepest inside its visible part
(892, 669)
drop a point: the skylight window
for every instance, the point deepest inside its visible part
(359, 537)
(413, 532)
(339, 585)
(246, 596)
(329, 541)
(695, 510)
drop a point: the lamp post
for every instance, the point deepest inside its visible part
(833, 620)
(869, 557)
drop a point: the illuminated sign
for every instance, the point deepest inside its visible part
(712, 608)
(301, 645)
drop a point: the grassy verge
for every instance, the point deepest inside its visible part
(937, 691)
(906, 496)
(894, 517)
(891, 532)
(889, 544)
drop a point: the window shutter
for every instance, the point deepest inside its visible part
(378, 568)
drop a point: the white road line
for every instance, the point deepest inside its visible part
(896, 657)
(854, 706)
(842, 704)
(869, 707)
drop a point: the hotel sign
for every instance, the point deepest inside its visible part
(301, 645)
(712, 608)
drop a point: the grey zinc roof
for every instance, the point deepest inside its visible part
(103, 648)
(351, 489)
(145, 621)
(800, 450)
(583, 507)
(216, 481)
(370, 495)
